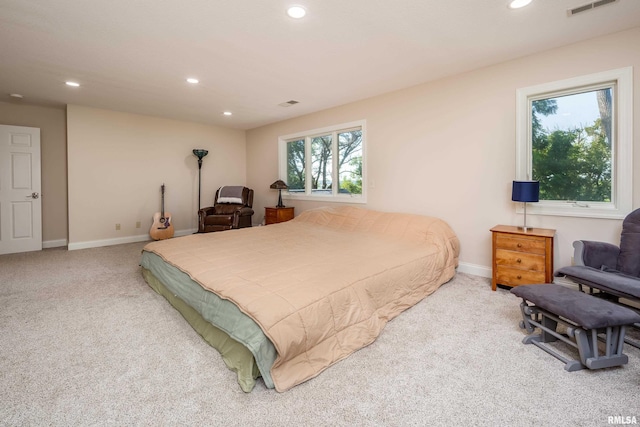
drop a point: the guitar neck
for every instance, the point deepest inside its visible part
(162, 205)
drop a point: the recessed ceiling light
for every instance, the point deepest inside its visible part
(74, 84)
(517, 4)
(193, 81)
(227, 113)
(296, 12)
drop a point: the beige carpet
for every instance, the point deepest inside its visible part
(84, 341)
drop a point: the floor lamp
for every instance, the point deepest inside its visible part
(199, 153)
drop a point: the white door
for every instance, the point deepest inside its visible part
(20, 201)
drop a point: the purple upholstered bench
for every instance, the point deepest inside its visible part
(585, 316)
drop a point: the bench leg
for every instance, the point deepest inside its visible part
(584, 340)
(587, 341)
(534, 317)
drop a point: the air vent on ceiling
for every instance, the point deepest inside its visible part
(589, 6)
(288, 103)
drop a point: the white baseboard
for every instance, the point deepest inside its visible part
(121, 240)
(475, 269)
(484, 271)
(54, 243)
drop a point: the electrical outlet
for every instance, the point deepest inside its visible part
(138, 224)
(117, 227)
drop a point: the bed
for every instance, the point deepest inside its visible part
(286, 301)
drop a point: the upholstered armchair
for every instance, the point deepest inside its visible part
(232, 208)
(610, 269)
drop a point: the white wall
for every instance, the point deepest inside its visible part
(118, 161)
(447, 148)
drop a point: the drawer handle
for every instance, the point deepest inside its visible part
(519, 245)
(519, 277)
(518, 260)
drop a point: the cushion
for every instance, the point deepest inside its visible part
(629, 258)
(614, 283)
(585, 310)
(230, 194)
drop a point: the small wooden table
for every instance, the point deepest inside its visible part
(274, 215)
(521, 257)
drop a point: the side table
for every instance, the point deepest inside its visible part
(274, 215)
(521, 257)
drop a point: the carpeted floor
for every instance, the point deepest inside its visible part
(84, 341)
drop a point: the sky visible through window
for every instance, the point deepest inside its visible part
(576, 110)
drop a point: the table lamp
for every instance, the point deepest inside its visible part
(525, 191)
(279, 185)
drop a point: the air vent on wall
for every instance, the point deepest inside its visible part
(288, 103)
(589, 6)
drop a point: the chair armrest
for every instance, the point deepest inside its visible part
(595, 254)
(210, 210)
(245, 211)
(202, 213)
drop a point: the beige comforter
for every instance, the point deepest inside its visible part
(324, 284)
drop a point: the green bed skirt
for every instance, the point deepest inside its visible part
(235, 355)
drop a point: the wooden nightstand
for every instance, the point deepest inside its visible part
(521, 257)
(276, 215)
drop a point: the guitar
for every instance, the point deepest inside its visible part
(162, 228)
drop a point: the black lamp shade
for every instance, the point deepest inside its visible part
(200, 153)
(525, 191)
(279, 185)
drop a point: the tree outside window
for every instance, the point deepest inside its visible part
(575, 136)
(328, 164)
(571, 146)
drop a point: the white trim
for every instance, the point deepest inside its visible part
(122, 240)
(340, 198)
(475, 269)
(308, 195)
(622, 179)
(54, 243)
(484, 271)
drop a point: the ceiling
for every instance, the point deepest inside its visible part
(135, 55)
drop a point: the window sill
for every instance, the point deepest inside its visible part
(573, 210)
(326, 199)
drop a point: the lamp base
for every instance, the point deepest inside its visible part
(524, 227)
(280, 204)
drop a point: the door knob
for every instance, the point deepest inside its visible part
(34, 195)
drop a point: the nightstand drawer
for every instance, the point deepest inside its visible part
(521, 256)
(514, 277)
(520, 260)
(529, 244)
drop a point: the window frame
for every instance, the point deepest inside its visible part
(335, 195)
(622, 146)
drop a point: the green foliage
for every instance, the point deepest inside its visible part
(353, 184)
(321, 162)
(349, 163)
(570, 164)
(295, 165)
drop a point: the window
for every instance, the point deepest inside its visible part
(575, 137)
(325, 164)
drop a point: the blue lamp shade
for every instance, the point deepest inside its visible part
(525, 191)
